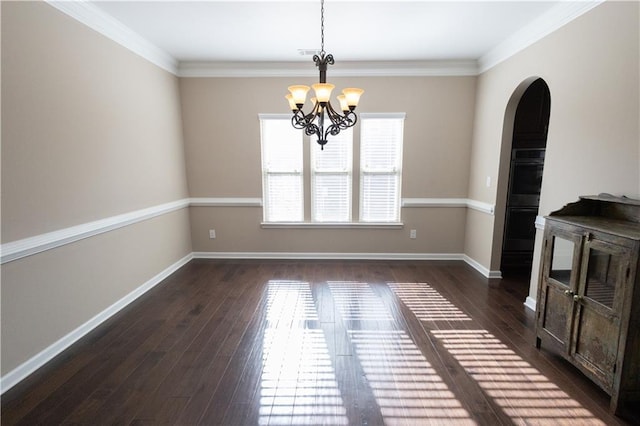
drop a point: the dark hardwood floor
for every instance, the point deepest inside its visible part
(314, 342)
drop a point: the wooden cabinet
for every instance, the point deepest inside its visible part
(588, 305)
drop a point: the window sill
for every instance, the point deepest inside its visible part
(333, 225)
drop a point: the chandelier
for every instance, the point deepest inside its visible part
(323, 112)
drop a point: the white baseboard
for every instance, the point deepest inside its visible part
(530, 303)
(480, 268)
(326, 256)
(349, 256)
(25, 369)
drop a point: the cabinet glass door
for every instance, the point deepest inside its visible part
(596, 332)
(558, 288)
(562, 260)
(603, 277)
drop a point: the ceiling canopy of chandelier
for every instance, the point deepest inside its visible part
(314, 122)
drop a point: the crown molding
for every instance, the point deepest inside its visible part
(341, 69)
(550, 21)
(97, 20)
(556, 17)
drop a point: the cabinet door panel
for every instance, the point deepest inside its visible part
(556, 313)
(596, 344)
(599, 300)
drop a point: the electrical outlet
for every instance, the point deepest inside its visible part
(212, 233)
(413, 234)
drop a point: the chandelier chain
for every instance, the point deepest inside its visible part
(322, 52)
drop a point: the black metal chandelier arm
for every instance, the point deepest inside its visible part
(334, 115)
(312, 129)
(300, 120)
(332, 130)
(351, 117)
(341, 120)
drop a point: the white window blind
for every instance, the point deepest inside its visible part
(282, 169)
(381, 137)
(331, 177)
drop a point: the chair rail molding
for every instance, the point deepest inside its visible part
(32, 245)
(449, 202)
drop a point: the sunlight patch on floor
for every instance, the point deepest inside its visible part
(405, 385)
(357, 301)
(426, 303)
(298, 383)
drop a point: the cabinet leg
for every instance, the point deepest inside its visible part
(614, 406)
(538, 343)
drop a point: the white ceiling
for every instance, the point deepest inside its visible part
(267, 31)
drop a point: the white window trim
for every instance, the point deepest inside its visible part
(365, 115)
(335, 225)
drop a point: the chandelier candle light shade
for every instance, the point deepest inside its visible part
(314, 122)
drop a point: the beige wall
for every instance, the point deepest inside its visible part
(439, 230)
(592, 69)
(222, 145)
(89, 130)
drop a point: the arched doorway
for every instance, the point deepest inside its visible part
(528, 148)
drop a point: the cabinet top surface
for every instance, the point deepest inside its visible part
(617, 227)
(611, 199)
(604, 213)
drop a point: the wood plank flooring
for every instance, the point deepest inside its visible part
(249, 342)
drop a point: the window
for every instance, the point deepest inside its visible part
(330, 175)
(380, 167)
(331, 171)
(282, 168)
